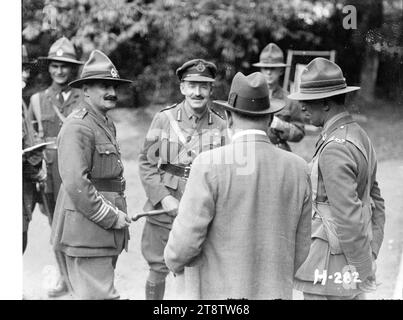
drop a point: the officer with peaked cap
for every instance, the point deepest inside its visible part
(50, 107)
(238, 234)
(288, 124)
(347, 231)
(90, 226)
(177, 134)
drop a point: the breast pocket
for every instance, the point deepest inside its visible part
(106, 161)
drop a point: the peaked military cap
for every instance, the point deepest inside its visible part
(98, 67)
(320, 79)
(197, 70)
(250, 95)
(62, 50)
(271, 57)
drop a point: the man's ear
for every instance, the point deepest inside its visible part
(326, 106)
(182, 87)
(281, 71)
(211, 88)
(85, 88)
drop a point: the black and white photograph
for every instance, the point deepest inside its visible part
(209, 150)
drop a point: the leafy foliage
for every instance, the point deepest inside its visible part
(148, 40)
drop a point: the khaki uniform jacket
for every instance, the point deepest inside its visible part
(243, 227)
(45, 102)
(87, 150)
(162, 145)
(48, 99)
(342, 181)
(292, 114)
(31, 165)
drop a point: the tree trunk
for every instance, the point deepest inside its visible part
(370, 17)
(369, 73)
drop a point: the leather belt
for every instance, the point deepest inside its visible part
(110, 185)
(176, 170)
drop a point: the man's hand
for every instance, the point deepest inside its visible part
(123, 221)
(169, 203)
(280, 128)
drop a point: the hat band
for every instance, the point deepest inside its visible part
(64, 55)
(272, 60)
(101, 74)
(256, 104)
(323, 89)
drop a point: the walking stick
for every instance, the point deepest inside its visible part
(150, 213)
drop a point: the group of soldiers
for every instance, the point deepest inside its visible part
(228, 234)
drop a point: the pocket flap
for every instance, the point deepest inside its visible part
(78, 231)
(106, 148)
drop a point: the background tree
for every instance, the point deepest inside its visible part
(148, 40)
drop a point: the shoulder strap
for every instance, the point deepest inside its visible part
(315, 168)
(169, 107)
(28, 125)
(56, 109)
(36, 109)
(175, 127)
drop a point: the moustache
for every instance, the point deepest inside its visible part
(111, 98)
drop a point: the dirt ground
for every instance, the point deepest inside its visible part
(39, 270)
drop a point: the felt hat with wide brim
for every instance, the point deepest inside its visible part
(98, 68)
(321, 79)
(63, 51)
(249, 95)
(271, 57)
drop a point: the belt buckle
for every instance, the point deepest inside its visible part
(186, 172)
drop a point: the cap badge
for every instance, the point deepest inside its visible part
(114, 73)
(59, 52)
(200, 67)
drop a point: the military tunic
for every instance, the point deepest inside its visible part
(176, 136)
(350, 231)
(292, 114)
(49, 121)
(31, 166)
(91, 192)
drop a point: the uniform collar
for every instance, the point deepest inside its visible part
(54, 87)
(332, 124)
(96, 113)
